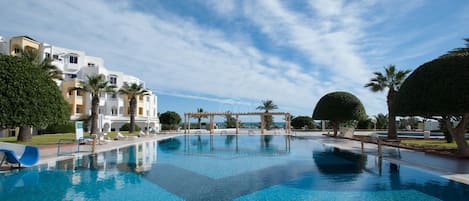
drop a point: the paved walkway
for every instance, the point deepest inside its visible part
(451, 168)
(49, 154)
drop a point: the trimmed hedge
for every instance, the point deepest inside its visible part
(126, 127)
(436, 88)
(339, 106)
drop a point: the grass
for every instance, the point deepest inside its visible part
(439, 143)
(52, 139)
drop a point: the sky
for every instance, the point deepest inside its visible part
(224, 55)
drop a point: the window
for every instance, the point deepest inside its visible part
(148, 98)
(17, 50)
(73, 59)
(113, 79)
(140, 98)
(55, 57)
(47, 55)
(114, 96)
(79, 92)
(70, 76)
(140, 111)
(79, 109)
(114, 111)
(91, 65)
(70, 92)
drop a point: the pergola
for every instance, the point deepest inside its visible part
(188, 115)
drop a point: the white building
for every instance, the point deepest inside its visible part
(76, 66)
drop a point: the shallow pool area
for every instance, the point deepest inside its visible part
(228, 167)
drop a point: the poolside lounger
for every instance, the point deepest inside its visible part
(29, 157)
(120, 136)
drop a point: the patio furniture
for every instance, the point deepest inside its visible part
(28, 157)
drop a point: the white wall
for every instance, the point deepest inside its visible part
(4, 45)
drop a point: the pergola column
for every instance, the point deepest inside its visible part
(189, 123)
(211, 123)
(185, 116)
(237, 125)
(286, 123)
(262, 123)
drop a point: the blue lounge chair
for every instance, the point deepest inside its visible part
(29, 158)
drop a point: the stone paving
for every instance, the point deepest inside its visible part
(50, 154)
(451, 168)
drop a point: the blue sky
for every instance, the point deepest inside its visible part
(229, 55)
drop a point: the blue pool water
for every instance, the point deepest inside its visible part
(240, 168)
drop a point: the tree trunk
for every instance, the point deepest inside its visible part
(199, 122)
(335, 126)
(392, 134)
(133, 107)
(459, 133)
(24, 134)
(94, 114)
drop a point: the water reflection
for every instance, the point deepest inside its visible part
(169, 145)
(210, 144)
(334, 162)
(134, 158)
(93, 177)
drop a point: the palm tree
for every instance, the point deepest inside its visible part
(132, 91)
(95, 84)
(391, 80)
(46, 65)
(200, 117)
(463, 51)
(267, 105)
(381, 121)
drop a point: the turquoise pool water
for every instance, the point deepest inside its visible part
(227, 168)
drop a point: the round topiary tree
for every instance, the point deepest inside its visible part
(29, 97)
(339, 107)
(302, 121)
(439, 89)
(170, 119)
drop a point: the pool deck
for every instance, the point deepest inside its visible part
(451, 168)
(49, 153)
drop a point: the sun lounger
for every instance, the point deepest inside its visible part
(120, 136)
(29, 156)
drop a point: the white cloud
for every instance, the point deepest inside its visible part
(222, 7)
(177, 56)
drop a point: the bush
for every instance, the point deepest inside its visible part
(126, 127)
(172, 126)
(339, 107)
(302, 121)
(59, 128)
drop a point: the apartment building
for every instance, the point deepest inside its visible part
(76, 66)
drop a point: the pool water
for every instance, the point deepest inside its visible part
(227, 168)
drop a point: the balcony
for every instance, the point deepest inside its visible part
(71, 67)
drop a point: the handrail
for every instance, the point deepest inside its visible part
(68, 141)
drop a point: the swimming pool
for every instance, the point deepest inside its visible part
(227, 168)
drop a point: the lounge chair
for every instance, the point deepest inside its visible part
(120, 136)
(29, 157)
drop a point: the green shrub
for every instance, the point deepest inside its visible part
(59, 128)
(126, 127)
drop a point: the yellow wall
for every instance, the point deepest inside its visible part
(140, 105)
(72, 98)
(22, 43)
